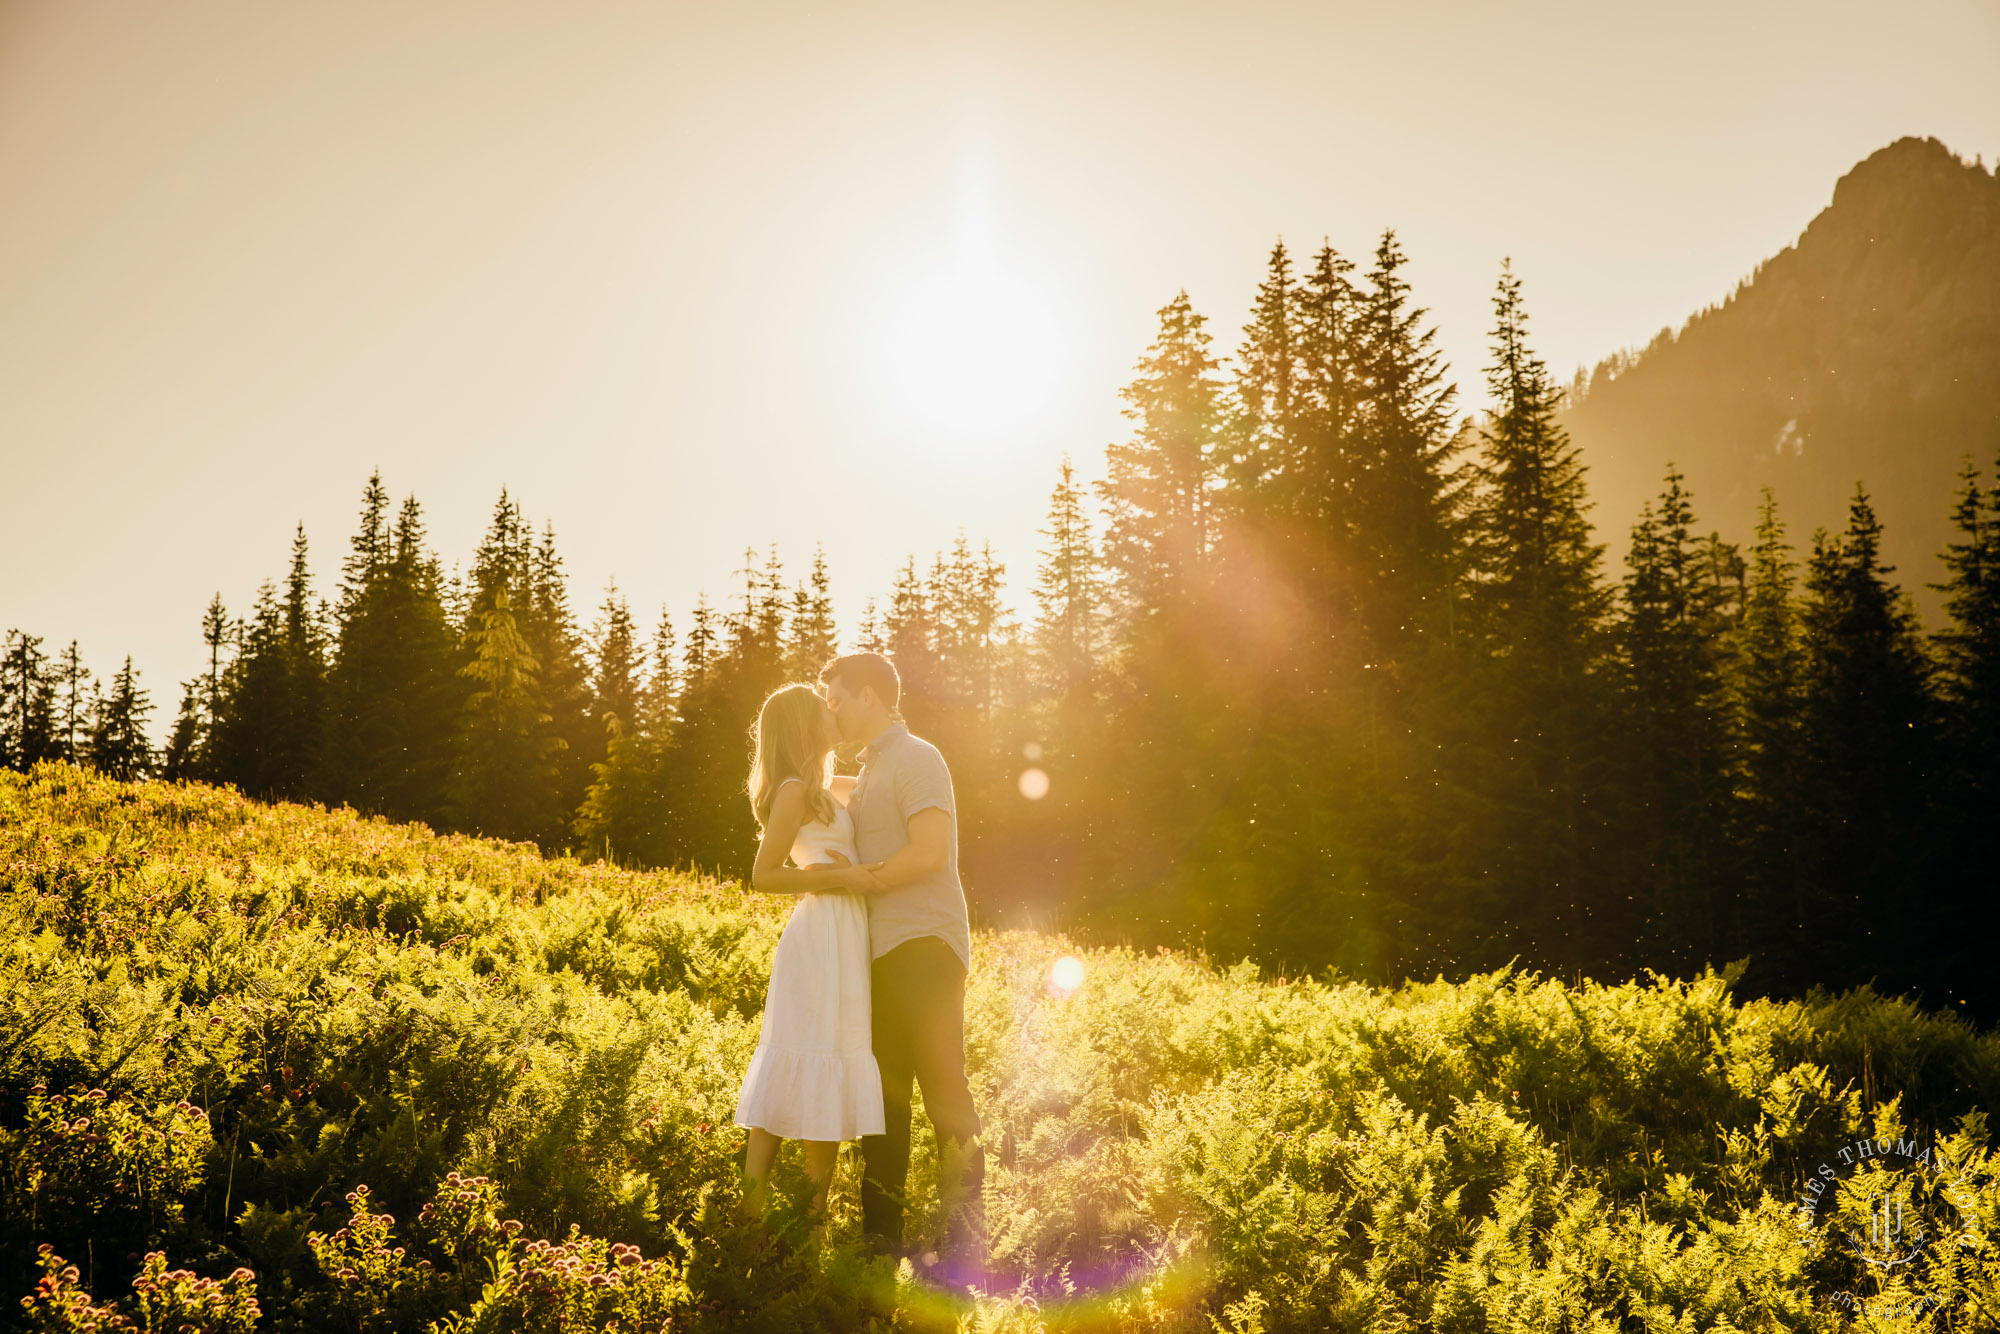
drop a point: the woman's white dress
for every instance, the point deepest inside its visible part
(814, 1074)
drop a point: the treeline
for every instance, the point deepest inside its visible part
(1320, 673)
(57, 709)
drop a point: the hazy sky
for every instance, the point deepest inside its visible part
(687, 278)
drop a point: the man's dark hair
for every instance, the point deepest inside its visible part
(865, 671)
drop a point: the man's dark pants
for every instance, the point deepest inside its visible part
(918, 1015)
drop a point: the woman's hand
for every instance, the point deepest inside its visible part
(852, 878)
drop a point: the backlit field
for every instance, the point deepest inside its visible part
(265, 1037)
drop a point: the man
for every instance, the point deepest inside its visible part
(906, 825)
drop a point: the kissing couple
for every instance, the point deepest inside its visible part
(867, 985)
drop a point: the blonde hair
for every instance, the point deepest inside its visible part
(793, 741)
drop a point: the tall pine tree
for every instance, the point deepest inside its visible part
(1262, 413)
(1766, 686)
(1069, 626)
(813, 639)
(1968, 650)
(553, 638)
(1159, 489)
(1537, 607)
(504, 784)
(118, 744)
(394, 692)
(72, 706)
(270, 723)
(1681, 597)
(626, 813)
(1400, 478)
(617, 662)
(27, 703)
(1868, 731)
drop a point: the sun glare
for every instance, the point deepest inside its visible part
(973, 348)
(976, 338)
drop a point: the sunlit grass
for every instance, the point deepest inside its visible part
(1171, 1142)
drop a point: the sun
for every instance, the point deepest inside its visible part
(974, 341)
(973, 348)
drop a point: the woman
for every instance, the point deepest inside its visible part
(813, 1076)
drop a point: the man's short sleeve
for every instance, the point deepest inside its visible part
(922, 781)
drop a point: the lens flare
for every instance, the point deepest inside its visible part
(1034, 784)
(1065, 976)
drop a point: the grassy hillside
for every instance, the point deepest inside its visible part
(405, 1079)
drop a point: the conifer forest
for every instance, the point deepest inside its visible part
(1325, 673)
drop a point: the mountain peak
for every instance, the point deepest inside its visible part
(1868, 352)
(1907, 165)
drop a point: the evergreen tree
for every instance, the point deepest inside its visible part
(533, 657)
(813, 640)
(557, 646)
(968, 622)
(190, 755)
(27, 703)
(269, 725)
(430, 663)
(710, 753)
(501, 564)
(1766, 684)
(299, 729)
(368, 551)
(394, 692)
(663, 680)
(184, 743)
(1262, 415)
(617, 662)
(252, 696)
(1159, 489)
(909, 634)
(73, 708)
(504, 782)
(1969, 645)
(1329, 314)
(1319, 471)
(754, 632)
(1403, 500)
(118, 744)
(868, 636)
(1681, 596)
(1537, 607)
(362, 703)
(626, 812)
(1070, 625)
(1868, 730)
(703, 646)
(773, 608)
(1968, 652)
(218, 634)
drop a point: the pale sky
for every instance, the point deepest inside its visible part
(687, 278)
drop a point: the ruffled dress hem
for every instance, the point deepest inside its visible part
(814, 1095)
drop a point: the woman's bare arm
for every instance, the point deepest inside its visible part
(772, 876)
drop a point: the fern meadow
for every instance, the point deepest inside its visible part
(276, 1067)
